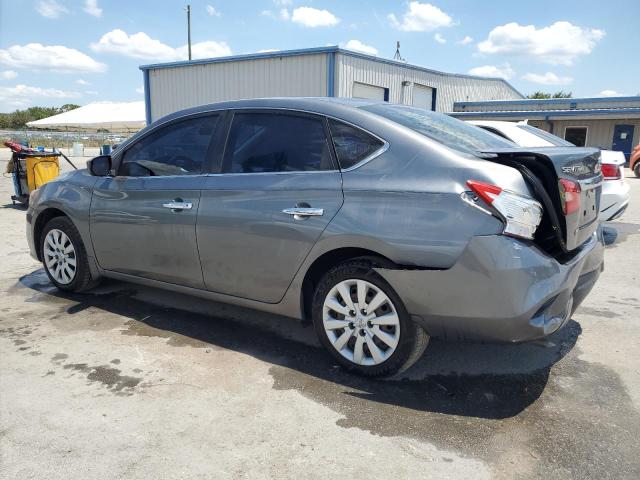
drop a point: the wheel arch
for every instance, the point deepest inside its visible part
(41, 220)
(326, 261)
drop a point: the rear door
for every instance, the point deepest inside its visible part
(143, 220)
(259, 218)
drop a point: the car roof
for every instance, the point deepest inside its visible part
(322, 105)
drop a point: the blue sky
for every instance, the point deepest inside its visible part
(62, 51)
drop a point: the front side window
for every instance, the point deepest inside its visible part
(177, 149)
(275, 142)
(442, 128)
(352, 144)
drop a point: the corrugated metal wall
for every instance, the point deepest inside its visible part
(599, 133)
(176, 88)
(450, 88)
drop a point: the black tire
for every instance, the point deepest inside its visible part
(413, 339)
(82, 279)
(636, 169)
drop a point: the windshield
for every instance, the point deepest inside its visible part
(442, 128)
(549, 137)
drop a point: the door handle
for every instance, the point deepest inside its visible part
(301, 213)
(178, 205)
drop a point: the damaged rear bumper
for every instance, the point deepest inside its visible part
(501, 289)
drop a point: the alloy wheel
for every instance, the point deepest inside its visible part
(361, 322)
(60, 256)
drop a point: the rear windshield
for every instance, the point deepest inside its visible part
(442, 128)
(549, 137)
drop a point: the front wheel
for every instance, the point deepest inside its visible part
(363, 323)
(636, 169)
(64, 256)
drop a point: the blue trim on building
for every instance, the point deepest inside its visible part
(527, 102)
(613, 112)
(147, 96)
(317, 50)
(331, 74)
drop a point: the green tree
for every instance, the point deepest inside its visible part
(544, 95)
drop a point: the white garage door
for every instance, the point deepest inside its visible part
(422, 96)
(371, 92)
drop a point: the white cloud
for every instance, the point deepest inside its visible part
(23, 95)
(55, 58)
(208, 49)
(8, 74)
(421, 17)
(465, 41)
(282, 3)
(268, 50)
(91, 7)
(358, 46)
(503, 71)
(80, 81)
(140, 90)
(91, 92)
(548, 78)
(212, 11)
(312, 17)
(439, 38)
(51, 8)
(558, 44)
(611, 93)
(142, 46)
(284, 14)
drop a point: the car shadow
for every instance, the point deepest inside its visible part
(473, 380)
(617, 232)
(15, 206)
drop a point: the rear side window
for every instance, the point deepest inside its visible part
(352, 144)
(442, 128)
(275, 142)
(177, 149)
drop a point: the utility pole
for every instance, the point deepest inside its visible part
(189, 29)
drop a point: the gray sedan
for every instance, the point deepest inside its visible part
(383, 224)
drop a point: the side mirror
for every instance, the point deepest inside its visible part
(100, 166)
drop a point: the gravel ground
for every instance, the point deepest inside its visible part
(133, 382)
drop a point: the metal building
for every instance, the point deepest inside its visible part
(612, 123)
(328, 71)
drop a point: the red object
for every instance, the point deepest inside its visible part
(485, 191)
(635, 160)
(16, 147)
(569, 195)
(611, 171)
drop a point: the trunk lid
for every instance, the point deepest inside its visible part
(555, 169)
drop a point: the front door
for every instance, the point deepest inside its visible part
(278, 190)
(623, 139)
(143, 220)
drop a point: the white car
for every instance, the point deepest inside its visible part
(615, 190)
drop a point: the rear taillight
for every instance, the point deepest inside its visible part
(569, 195)
(611, 171)
(520, 213)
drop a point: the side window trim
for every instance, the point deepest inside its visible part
(226, 162)
(209, 161)
(376, 153)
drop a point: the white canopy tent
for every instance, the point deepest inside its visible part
(109, 116)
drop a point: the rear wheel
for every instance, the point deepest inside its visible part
(636, 169)
(64, 256)
(363, 323)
